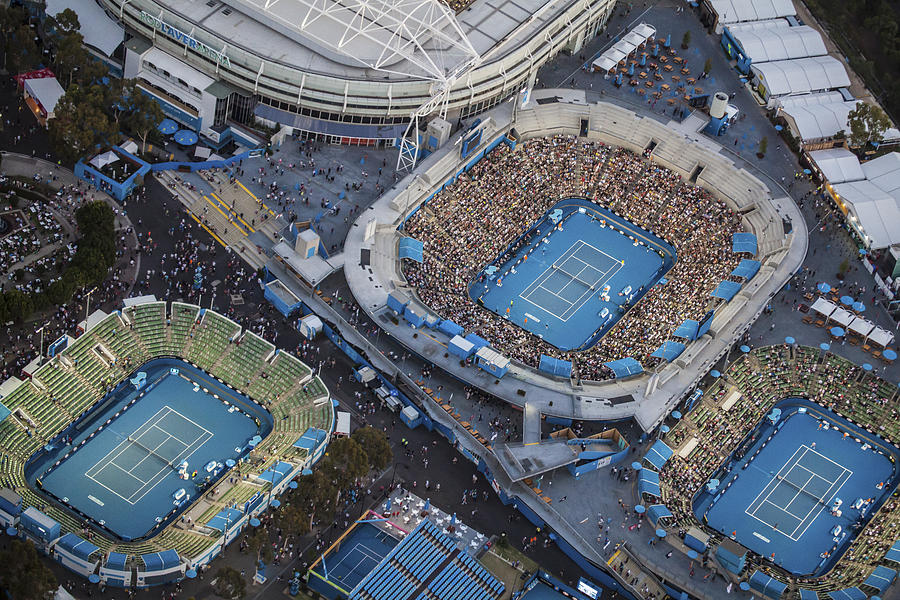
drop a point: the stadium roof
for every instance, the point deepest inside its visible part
(780, 43)
(427, 564)
(160, 561)
(735, 11)
(98, 30)
(802, 75)
(838, 165)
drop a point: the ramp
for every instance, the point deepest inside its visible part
(531, 428)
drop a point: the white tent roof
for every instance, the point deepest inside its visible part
(842, 317)
(838, 165)
(823, 306)
(735, 11)
(621, 49)
(98, 29)
(882, 337)
(46, 91)
(802, 75)
(884, 172)
(166, 62)
(876, 211)
(861, 326)
(781, 43)
(756, 25)
(107, 158)
(800, 100)
(814, 121)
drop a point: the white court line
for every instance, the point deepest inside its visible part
(538, 283)
(205, 436)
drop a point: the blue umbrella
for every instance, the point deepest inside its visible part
(858, 306)
(745, 348)
(293, 485)
(824, 287)
(185, 137)
(889, 354)
(167, 126)
(744, 586)
(94, 578)
(254, 522)
(862, 252)
(789, 340)
(692, 554)
(229, 463)
(866, 367)
(664, 428)
(640, 509)
(190, 573)
(825, 346)
(847, 300)
(837, 332)
(715, 373)
(276, 503)
(676, 414)
(778, 128)
(636, 466)
(306, 472)
(807, 171)
(661, 533)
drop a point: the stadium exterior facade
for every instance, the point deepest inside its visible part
(215, 63)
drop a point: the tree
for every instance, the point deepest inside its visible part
(293, 519)
(230, 584)
(259, 543)
(22, 53)
(375, 445)
(143, 114)
(763, 146)
(686, 40)
(345, 462)
(867, 124)
(23, 574)
(707, 66)
(81, 123)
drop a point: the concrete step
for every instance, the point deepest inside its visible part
(532, 424)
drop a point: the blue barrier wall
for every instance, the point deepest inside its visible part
(203, 165)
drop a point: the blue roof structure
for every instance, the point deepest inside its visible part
(225, 518)
(881, 578)
(747, 269)
(4, 412)
(160, 561)
(766, 585)
(479, 341)
(411, 248)
(726, 290)
(116, 560)
(276, 473)
(853, 593)
(311, 439)
(688, 329)
(669, 350)
(744, 242)
(625, 367)
(893, 554)
(555, 366)
(648, 482)
(658, 454)
(426, 563)
(808, 594)
(655, 512)
(77, 546)
(450, 328)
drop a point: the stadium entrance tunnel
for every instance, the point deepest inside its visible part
(800, 486)
(573, 274)
(148, 449)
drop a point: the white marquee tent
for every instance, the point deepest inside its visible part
(838, 165)
(799, 76)
(780, 43)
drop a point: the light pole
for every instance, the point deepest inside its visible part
(41, 351)
(87, 307)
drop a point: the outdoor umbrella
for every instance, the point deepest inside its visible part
(889, 354)
(745, 348)
(825, 346)
(640, 509)
(789, 340)
(824, 287)
(847, 300)
(692, 554)
(167, 127)
(185, 137)
(676, 414)
(715, 373)
(858, 306)
(661, 533)
(866, 367)
(664, 428)
(862, 252)
(837, 331)
(636, 466)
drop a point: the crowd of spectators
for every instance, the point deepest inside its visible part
(25, 232)
(763, 378)
(475, 219)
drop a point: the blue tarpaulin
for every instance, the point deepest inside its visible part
(893, 554)
(726, 290)
(658, 511)
(881, 578)
(160, 561)
(554, 366)
(688, 329)
(744, 242)
(411, 248)
(116, 560)
(669, 351)
(767, 585)
(77, 546)
(225, 519)
(658, 454)
(450, 328)
(648, 483)
(747, 269)
(625, 367)
(853, 593)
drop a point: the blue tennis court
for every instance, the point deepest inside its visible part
(573, 274)
(121, 469)
(346, 563)
(801, 488)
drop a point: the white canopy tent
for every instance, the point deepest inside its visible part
(624, 47)
(873, 212)
(823, 307)
(107, 158)
(816, 116)
(99, 31)
(780, 43)
(842, 317)
(800, 76)
(838, 165)
(861, 327)
(736, 11)
(881, 337)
